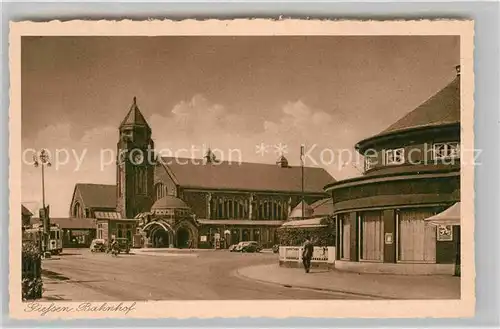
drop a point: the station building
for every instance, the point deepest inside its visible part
(173, 202)
(412, 172)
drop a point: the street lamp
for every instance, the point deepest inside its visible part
(42, 160)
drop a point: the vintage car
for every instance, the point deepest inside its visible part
(124, 244)
(248, 246)
(98, 245)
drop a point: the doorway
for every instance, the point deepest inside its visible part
(183, 238)
(160, 239)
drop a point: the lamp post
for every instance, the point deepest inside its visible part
(302, 177)
(42, 160)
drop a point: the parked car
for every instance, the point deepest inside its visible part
(248, 246)
(276, 248)
(98, 245)
(123, 244)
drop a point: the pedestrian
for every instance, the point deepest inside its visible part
(307, 252)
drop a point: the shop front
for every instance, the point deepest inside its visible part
(224, 233)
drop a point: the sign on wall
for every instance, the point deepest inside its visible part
(203, 238)
(388, 238)
(445, 233)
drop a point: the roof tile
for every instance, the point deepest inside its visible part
(247, 176)
(98, 195)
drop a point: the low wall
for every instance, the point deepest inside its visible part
(323, 257)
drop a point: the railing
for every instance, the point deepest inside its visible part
(320, 254)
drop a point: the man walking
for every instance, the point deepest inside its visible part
(307, 252)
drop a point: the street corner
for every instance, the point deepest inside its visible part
(264, 273)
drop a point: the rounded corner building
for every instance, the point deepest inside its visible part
(412, 172)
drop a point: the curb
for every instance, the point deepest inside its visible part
(239, 274)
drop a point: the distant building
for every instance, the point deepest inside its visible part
(25, 216)
(76, 232)
(182, 203)
(412, 171)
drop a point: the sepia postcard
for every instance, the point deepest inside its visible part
(241, 168)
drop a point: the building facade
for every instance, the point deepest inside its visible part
(198, 203)
(412, 172)
(76, 232)
(25, 216)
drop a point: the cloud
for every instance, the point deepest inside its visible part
(191, 125)
(202, 123)
(73, 160)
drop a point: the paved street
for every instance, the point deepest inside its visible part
(165, 276)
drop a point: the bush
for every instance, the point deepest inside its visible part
(320, 236)
(31, 271)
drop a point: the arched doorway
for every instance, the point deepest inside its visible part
(183, 237)
(160, 238)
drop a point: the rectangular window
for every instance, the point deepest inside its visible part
(256, 235)
(370, 162)
(449, 150)
(119, 181)
(371, 241)
(416, 237)
(52, 235)
(395, 156)
(345, 236)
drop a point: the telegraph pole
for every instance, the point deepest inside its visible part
(43, 160)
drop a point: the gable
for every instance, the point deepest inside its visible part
(95, 195)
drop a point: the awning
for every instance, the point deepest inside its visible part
(450, 216)
(107, 215)
(306, 223)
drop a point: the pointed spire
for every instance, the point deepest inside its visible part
(134, 116)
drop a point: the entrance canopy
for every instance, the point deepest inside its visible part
(450, 216)
(306, 223)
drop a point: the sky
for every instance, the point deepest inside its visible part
(227, 93)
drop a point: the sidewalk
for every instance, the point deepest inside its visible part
(62, 290)
(168, 252)
(371, 285)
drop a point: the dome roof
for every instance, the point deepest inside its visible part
(442, 109)
(297, 211)
(169, 202)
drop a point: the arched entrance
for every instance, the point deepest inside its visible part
(183, 238)
(159, 234)
(160, 238)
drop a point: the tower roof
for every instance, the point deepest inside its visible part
(134, 116)
(441, 109)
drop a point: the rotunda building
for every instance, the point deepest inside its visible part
(412, 172)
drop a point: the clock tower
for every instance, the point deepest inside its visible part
(135, 165)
